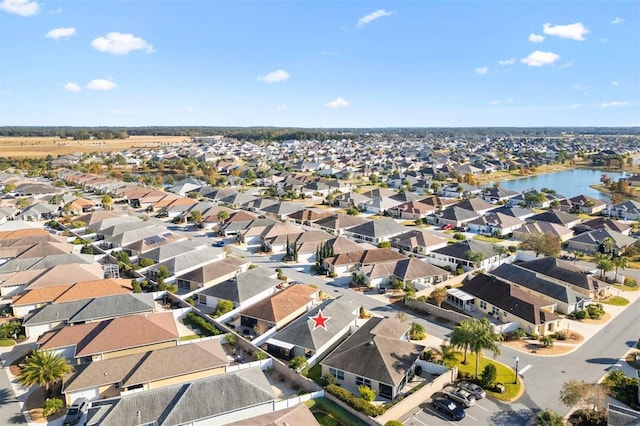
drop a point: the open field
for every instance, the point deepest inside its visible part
(43, 146)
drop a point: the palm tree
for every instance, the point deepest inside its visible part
(608, 244)
(616, 377)
(604, 263)
(484, 338)
(43, 368)
(447, 354)
(577, 255)
(474, 258)
(223, 215)
(196, 216)
(462, 336)
(619, 262)
(500, 250)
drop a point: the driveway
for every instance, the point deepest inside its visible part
(10, 413)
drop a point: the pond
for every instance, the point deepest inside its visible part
(568, 182)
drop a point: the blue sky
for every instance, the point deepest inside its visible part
(320, 63)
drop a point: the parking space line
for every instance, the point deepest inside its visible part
(417, 420)
(480, 406)
(524, 370)
(438, 415)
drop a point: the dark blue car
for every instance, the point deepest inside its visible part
(450, 408)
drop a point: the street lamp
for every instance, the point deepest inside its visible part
(516, 360)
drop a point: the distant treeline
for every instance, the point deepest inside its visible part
(282, 134)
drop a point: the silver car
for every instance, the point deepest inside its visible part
(473, 389)
(459, 395)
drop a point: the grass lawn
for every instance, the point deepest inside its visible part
(189, 337)
(616, 301)
(329, 414)
(487, 239)
(626, 288)
(7, 342)
(315, 373)
(506, 375)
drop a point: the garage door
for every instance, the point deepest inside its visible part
(37, 330)
(90, 394)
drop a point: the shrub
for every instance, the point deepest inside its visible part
(393, 423)
(458, 236)
(354, 402)
(144, 262)
(223, 307)
(327, 379)
(629, 282)
(190, 301)
(202, 324)
(459, 270)
(366, 393)
(299, 363)
(52, 405)
(259, 355)
(579, 315)
(488, 376)
(595, 311)
(384, 244)
(519, 333)
(417, 331)
(561, 335)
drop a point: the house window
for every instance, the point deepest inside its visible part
(483, 304)
(363, 381)
(202, 299)
(338, 374)
(495, 311)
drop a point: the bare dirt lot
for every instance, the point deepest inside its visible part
(43, 146)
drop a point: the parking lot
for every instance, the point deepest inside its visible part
(486, 411)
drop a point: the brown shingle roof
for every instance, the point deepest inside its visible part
(281, 304)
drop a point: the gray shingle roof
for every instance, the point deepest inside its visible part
(244, 286)
(301, 332)
(179, 404)
(459, 250)
(378, 228)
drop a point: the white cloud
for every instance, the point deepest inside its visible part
(539, 58)
(20, 7)
(481, 70)
(274, 76)
(567, 65)
(72, 87)
(281, 107)
(579, 87)
(604, 40)
(504, 62)
(495, 102)
(367, 19)
(101, 84)
(617, 21)
(121, 44)
(575, 31)
(62, 32)
(614, 104)
(337, 103)
(614, 83)
(576, 106)
(536, 38)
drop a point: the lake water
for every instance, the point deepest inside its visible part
(568, 182)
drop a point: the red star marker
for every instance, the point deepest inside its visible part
(320, 320)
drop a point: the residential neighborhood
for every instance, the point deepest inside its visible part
(241, 293)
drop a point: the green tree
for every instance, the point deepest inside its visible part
(576, 392)
(485, 338)
(604, 263)
(474, 258)
(488, 376)
(608, 244)
(366, 393)
(299, 363)
(547, 244)
(447, 354)
(223, 307)
(106, 202)
(416, 332)
(547, 341)
(135, 285)
(51, 406)
(501, 251)
(620, 262)
(462, 336)
(548, 418)
(196, 216)
(8, 188)
(222, 215)
(10, 329)
(43, 368)
(22, 203)
(617, 378)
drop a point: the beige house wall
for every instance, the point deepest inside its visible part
(186, 378)
(117, 354)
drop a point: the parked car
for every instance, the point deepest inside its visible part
(75, 413)
(219, 244)
(459, 395)
(451, 408)
(473, 389)
(447, 226)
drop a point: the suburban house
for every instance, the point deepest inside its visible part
(539, 228)
(145, 371)
(454, 216)
(585, 204)
(510, 304)
(212, 273)
(495, 195)
(604, 222)
(13, 283)
(187, 261)
(336, 224)
(343, 263)
(244, 290)
(626, 210)
(566, 299)
(461, 254)
(34, 298)
(298, 415)
(495, 224)
(279, 309)
(557, 216)
(112, 338)
(413, 210)
(410, 272)
(238, 395)
(303, 338)
(418, 241)
(593, 242)
(86, 310)
(376, 231)
(375, 356)
(575, 277)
